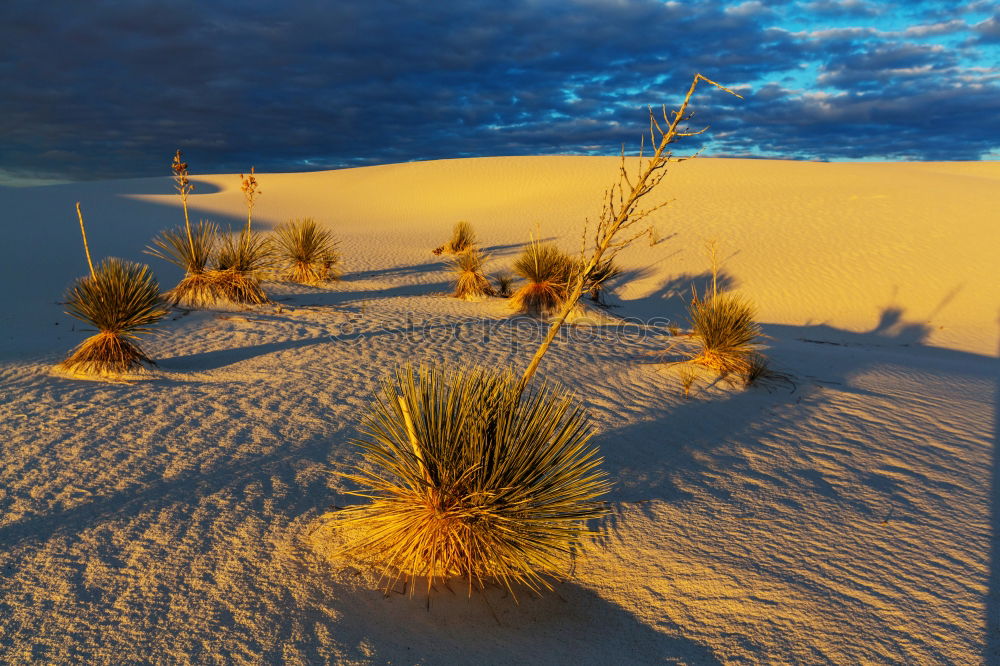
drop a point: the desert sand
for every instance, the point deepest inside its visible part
(852, 518)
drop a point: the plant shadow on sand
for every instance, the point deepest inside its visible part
(710, 444)
(559, 626)
(643, 457)
(670, 298)
(991, 653)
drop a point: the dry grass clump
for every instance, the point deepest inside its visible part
(305, 253)
(505, 282)
(603, 272)
(688, 376)
(242, 261)
(121, 299)
(471, 282)
(462, 238)
(470, 476)
(724, 331)
(549, 272)
(760, 373)
(191, 249)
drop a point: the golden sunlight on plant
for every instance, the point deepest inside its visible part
(121, 299)
(547, 271)
(305, 253)
(242, 261)
(462, 239)
(470, 477)
(470, 281)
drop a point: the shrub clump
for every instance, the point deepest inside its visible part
(305, 253)
(471, 283)
(549, 272)
(121, 299)
(603, 272)
(504, 283)
(191, 253)
(242, 261)
(724, 330)
(469, 476)
(462, 238)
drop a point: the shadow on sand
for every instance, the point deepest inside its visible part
(991, 653)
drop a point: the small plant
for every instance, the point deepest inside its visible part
(549, 272)
(191, 250)
(654, 236)
(471, 282)
(504, 283)
(462, 239)
(121, 299)
(723, 326)
(688, 375)
(724, 332)
(306, 253)
(759, 373)
(243, 260)
(470, 477)
(602, 273)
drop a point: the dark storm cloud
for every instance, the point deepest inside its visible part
(111, 88)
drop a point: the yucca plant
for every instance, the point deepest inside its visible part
(760, 373)
(549, 272)
(305, 253)
(724, 332)
(470, 281)
(470, 477)
(242, 261)
(603, 272)
(191, 249)
(121, 299)
(505, 282)
(462, 238)
(688, 375)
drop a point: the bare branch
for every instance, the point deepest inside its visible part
(616, 219)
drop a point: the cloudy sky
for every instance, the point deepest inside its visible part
(110, 88)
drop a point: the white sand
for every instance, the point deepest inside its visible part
(177, 520)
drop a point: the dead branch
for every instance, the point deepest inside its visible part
(623, 216)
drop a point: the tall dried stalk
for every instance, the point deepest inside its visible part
(184, 186)
(86, 246)
(621, 212)
(250, 192)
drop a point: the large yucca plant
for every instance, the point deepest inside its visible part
(462, 238)
(724, 330)
(470, 280)
(242, 261)
(191, 249)
(121, 299)
(305, 253)
(549, 272)
(469, 476)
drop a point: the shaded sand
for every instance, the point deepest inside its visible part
(177, 519)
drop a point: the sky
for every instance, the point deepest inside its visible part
(111, 88)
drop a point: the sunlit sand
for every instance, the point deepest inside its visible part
(847, 516)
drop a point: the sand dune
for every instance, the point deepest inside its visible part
(852, 519)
